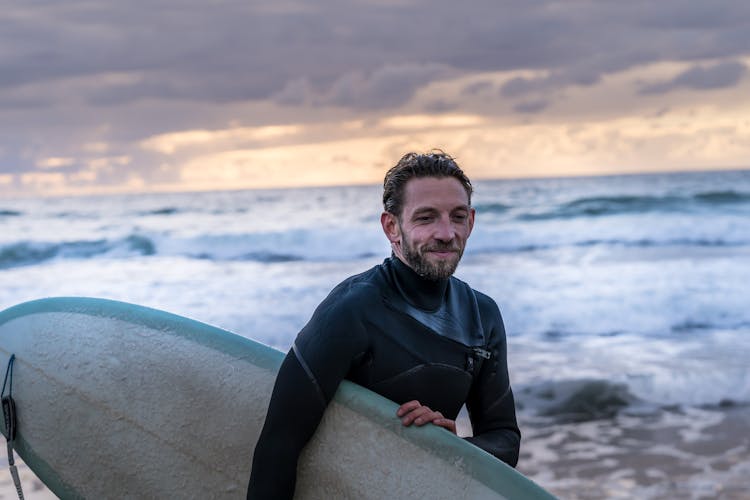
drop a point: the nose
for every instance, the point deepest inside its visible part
(444, 230)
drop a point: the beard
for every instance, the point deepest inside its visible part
(433, 271)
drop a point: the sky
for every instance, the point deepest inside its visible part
(101, 96)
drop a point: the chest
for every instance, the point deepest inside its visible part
(407, 360)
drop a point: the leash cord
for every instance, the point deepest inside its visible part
(9, 413)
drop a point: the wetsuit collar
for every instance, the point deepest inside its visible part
(416, 290)
(448, 307)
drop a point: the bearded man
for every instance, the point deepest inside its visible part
(406, 329)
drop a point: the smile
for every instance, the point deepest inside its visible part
(443, 253)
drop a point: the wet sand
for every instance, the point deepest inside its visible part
(689, 453)
(33, 488)
(679, 453)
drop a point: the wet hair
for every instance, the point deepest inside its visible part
(416, 165)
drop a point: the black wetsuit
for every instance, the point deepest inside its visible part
(404, 337)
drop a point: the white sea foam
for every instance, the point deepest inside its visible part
(636, 281)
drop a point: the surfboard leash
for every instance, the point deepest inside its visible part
(9, 413)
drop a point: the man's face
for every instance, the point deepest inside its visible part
(436, 220)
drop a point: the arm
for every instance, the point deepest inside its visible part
(293, 415)
(490, 404)
(307, 381)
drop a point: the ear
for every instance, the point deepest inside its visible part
(390, 227)
(472, 214)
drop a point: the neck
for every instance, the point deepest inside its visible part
(420, 292)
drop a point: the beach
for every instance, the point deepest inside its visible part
(33, 487)
(688, 454)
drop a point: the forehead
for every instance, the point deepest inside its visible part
(437, 192)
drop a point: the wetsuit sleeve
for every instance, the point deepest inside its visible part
(307, 380)
(293, 415)
(490, 404)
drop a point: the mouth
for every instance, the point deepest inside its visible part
(442, 253)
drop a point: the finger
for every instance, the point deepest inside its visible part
(430, 417)
(446, 424)
(407, 407)
(415, 414)
(427, 417)
(422, 416)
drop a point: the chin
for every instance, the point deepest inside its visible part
(438, 263)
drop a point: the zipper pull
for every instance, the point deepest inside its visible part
(470, 363)
(482, 353)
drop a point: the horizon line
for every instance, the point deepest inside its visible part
(175, 189)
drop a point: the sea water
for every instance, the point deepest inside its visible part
(624, 297)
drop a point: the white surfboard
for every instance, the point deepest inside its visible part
(115, 400)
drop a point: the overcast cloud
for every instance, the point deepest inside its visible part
(721, 75)
(77, 74)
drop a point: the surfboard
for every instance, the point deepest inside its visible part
(118, 400)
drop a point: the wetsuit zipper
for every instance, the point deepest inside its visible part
(482, 353)
(474, 355)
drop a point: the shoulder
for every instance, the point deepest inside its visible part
(489, 312)
(487, 304)
(354, 293)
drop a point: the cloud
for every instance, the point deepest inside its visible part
(55, 162)
(439, 106)
(239, 50)
(531, 107)
(520, 86)
(172, 142)
(425, 122)
(477, 88)
(388, 86)
(580, 76)
(700, 77)
(43, 181)
(83, 80)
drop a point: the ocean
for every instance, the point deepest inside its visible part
(626, 300)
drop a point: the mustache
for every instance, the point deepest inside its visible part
(442, 247)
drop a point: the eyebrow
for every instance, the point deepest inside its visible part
(428, 207)
(421, 210)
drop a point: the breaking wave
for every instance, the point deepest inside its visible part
(599, 206)
(271, 247)
(29, 253)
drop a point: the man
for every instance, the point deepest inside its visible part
(405, 329)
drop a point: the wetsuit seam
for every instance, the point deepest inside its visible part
(498, 400)
(416, 368)
(469, 349)
(309, 373)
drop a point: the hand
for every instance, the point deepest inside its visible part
(416, 413)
